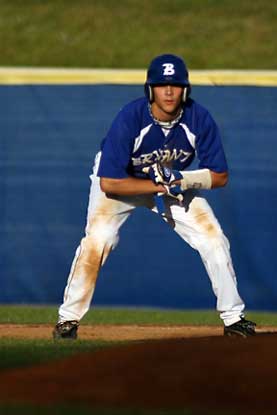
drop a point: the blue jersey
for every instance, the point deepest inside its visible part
(135, 140)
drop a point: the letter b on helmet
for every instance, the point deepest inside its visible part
(167, 70)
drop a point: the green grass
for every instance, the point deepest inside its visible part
(26, 314)
(25, 352)
(210, 34)
(16, 353)
(97, 315)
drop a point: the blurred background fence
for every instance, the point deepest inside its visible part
(50, 133)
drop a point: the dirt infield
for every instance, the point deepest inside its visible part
(112, 332)
(119, 332)
(163, 368)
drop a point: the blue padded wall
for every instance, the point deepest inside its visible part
(49, 136)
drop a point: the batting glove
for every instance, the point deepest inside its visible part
(162, 175)
(175, 192)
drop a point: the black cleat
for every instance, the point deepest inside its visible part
(242, 328)
(66, 330)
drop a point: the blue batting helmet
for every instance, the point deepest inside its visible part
(167, 70)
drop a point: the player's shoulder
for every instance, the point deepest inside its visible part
(197, 115)
(196, 108)
(135, 107)
(135, 115)
(131, 118)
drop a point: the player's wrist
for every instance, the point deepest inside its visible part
(160, 188)
(196, 179)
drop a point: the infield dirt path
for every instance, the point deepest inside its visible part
(118, 332)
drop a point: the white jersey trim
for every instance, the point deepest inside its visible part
(190, 136)
(138, 139)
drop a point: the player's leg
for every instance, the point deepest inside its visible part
(196, 223)
(104, 219)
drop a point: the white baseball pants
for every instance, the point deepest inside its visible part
(194, 222)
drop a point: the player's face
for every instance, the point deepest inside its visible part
(167, 101)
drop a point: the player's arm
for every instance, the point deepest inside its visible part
(130, 186)
(197, 179)
(218, 179)
(213, 168)
(201, 179)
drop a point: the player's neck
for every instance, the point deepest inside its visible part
(163, 116)
(166, 122)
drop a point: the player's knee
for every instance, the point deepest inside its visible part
(213, 245)
(102, 235)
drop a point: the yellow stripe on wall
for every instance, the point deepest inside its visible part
(23, 76)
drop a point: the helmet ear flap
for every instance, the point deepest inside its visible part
(186, 93)
(150, 93)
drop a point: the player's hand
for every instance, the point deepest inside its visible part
(175, 192)
(162, 175)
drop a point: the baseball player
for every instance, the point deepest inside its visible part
(143, 162)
